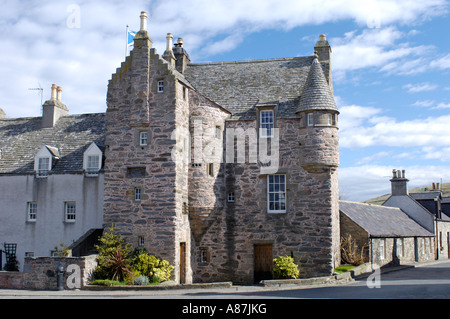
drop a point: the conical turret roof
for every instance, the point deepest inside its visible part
(316, 93)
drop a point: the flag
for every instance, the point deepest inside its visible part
(130, 40)
(131, 35)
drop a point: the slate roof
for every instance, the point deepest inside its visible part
(242, 86)
(21, 139)
(425, 196)
(316, 94)
(382, 221)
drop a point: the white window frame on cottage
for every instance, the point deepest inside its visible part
(70, 212)
(31, 211)
(266, 123)
(89, 159)
(43, 161)
(160, 87)
(276, 194)
(382, 249)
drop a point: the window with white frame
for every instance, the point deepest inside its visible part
(93, 164)
(276, 193)
(400, 247)
(382, 249)
(143, 138)
(70, 209)
(137, 194)
(310, 119)
(266, 123)
(160, 87)
(43, 166)
(31, 211)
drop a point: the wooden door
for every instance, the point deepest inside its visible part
(182, 263)
(263, 262)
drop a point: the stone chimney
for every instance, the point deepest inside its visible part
(168, 54)
(323, 51)
(53, 109)
(181, 56)
(399, 183)
(142, 38)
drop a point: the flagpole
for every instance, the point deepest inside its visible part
(126, 42)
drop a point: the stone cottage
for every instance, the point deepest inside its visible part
(424, 208)
(387, 234)
(221, 167)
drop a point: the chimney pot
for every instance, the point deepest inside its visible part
(403, 173)
(54, 88)
(59, 93)
(323, 37)
(394, 173)
(144, 18)
(180, 42)
(169, 41)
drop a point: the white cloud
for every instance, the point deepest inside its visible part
(38, 47)
(442, 63)
(420, 87)
(363, 127)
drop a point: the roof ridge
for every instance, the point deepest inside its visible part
(249, 61)
(368, 204)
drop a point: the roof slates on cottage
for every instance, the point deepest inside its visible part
(21, 139)
(382, 221)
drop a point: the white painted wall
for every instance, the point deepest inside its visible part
(50, 194)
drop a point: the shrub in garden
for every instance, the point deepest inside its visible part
(113, 259)
(155, 268)
(285, 268)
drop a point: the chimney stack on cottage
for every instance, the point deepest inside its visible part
(399, 183)
(181, 56)
(53, 109)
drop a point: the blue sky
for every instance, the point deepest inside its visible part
(390, 63)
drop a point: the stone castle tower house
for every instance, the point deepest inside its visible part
(215, 219)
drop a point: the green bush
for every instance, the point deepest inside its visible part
(155, 268)
(285, 268)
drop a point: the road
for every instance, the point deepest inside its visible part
(425, 281)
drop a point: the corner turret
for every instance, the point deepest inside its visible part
(319, 143)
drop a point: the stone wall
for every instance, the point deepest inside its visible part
(309, 230)
(41, 273)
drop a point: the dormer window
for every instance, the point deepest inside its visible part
(43, 162)
(266, 123)
(92, 160)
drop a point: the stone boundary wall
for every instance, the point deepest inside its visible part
(40, 273)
